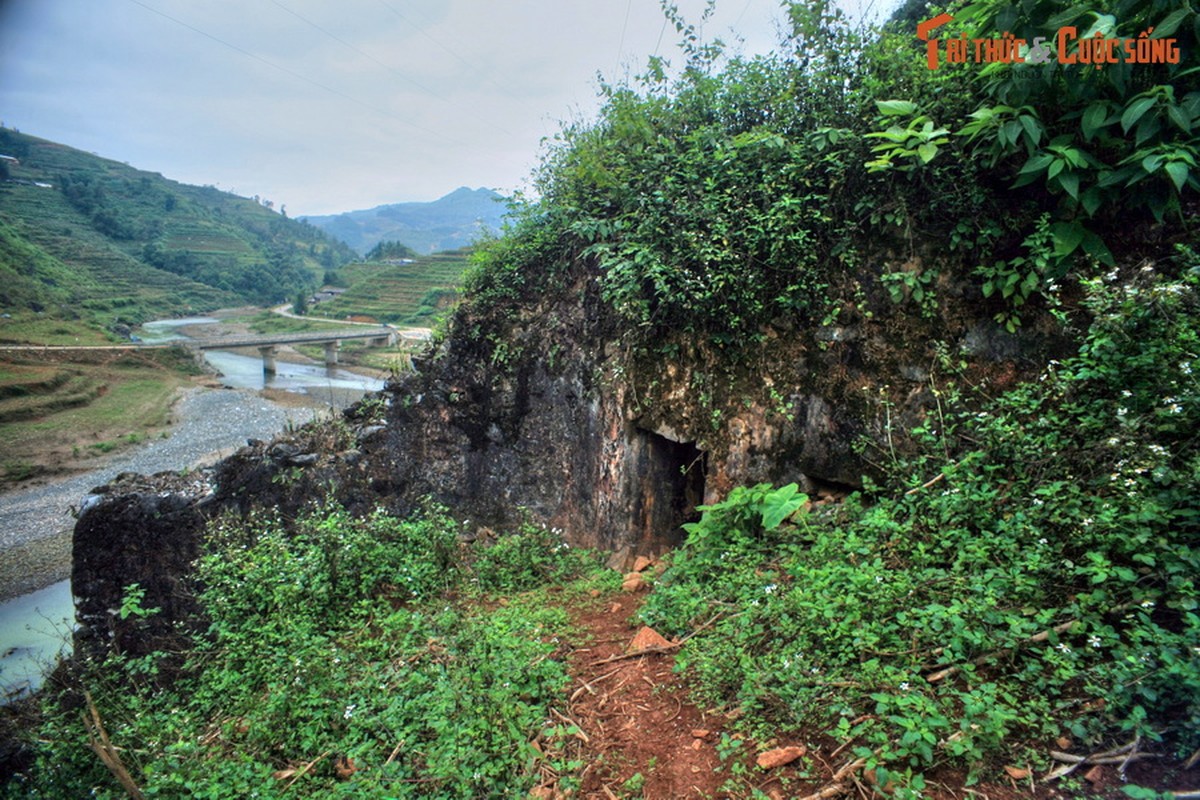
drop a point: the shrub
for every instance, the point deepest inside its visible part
(1044, 586)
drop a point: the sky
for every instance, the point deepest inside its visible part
(325, 106)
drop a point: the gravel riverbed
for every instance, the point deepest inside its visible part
(209, 424)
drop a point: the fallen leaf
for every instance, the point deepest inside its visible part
(1016, 773)
(283, 774)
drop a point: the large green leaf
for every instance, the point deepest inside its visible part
(781, 504)
(1169, 25)
(1093, 120)
(1178, 171)
(1135, 110)
(896, 108)
(1067, 237)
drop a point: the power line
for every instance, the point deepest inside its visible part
(388, 67)
(474, 68)
(621, 45)
(295, 74)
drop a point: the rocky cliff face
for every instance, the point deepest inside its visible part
(553, 410)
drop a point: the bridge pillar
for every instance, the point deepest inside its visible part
(331, 353)
(268, 357)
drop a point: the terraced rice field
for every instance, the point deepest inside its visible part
(409, 294)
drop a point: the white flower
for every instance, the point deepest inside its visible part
(1063, 647)
(904, 686)
(879, 579)
(1043, 540)
(349, 712)
(769, 588)
(1094, 640)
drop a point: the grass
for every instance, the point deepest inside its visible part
(407, 294)
(27, 327)
(55, 417)
(378, 652)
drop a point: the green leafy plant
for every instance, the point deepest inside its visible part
(1050, 567)
(917, 143)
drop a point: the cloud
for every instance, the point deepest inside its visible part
(328, 107)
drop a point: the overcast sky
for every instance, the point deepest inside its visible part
(331, 105)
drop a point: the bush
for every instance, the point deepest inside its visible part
(338, 664)
(1045, 586)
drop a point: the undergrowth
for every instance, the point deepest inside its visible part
(345, 658)
(1039, 584)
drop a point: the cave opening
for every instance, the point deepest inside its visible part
(675, 486)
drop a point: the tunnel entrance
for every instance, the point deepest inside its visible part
(673, 485)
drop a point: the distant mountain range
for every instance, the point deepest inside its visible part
(448, 223)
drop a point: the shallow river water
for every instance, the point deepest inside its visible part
(35, 628)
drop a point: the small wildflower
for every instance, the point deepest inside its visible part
(904, 686)
(1063, 647)
(1094, 640)
(1043, 540)
(1147, 604)
(769, 588)
(349, 712)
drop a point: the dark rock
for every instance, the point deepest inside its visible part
(282, 451)
(142, 532)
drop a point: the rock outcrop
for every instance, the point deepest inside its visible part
(550, 409)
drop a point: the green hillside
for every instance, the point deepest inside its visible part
(91, 243)
(405, 293)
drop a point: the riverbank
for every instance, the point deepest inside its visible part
(207, 424)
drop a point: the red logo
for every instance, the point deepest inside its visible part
(923, 29)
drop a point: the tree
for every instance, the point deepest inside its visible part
(300, 304)
(388, 249)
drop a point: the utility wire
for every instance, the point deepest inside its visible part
(474, 68)
(386, 66)
(621, 44)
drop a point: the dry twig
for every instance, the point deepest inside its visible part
(99, 742)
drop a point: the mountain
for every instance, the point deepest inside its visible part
(448, 223)
(89, 239)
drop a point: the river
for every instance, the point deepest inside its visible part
(38, 615)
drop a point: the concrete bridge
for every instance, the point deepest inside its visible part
(268, 344)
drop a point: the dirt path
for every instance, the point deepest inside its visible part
(640, 735)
